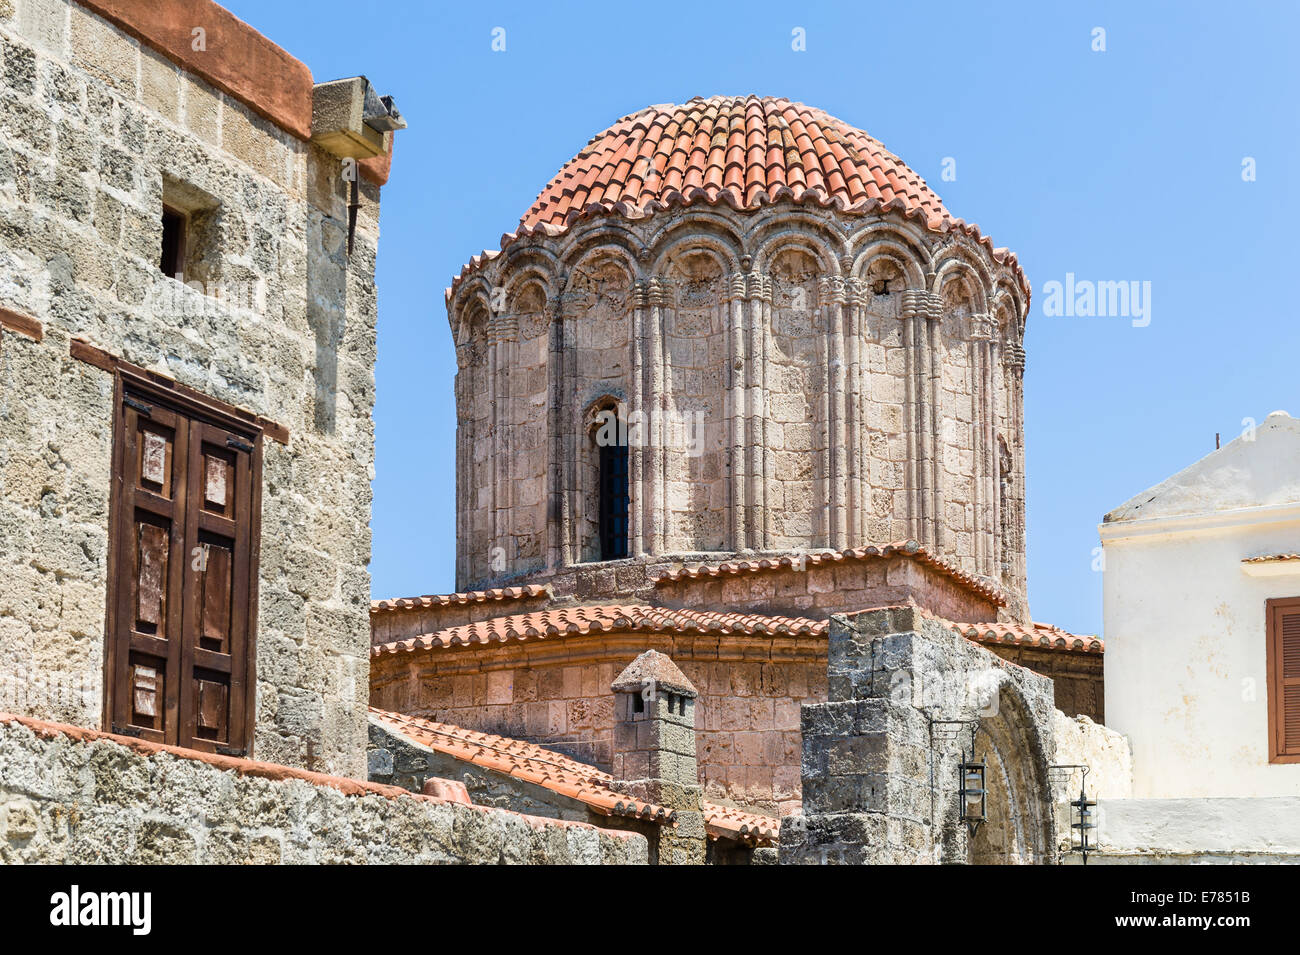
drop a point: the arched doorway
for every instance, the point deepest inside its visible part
(1020, 828)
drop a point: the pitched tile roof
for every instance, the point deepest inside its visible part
(1270, 558)
(909, 548)
(654, 668)
(742, 151)
(465, 597)
(610, 618)
(568, 777)
(748, 827)
(622, 618)
(525, 761)
(235, 764)
(1041, 636)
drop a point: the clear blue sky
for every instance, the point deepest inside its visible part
(1122, 165)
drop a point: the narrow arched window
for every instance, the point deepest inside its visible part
(605, 481)
(613, 501)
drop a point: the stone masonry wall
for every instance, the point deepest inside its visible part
(1080, 741)
(557, 693)
(99, 132)
(788, 379)
(840, 588)
(1079, 679)
(70, 798)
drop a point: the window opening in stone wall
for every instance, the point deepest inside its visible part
(192, 228)
(613, 501)
(174, 225)
(1005, 518)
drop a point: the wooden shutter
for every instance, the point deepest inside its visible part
(183, 575)
(1284, 680)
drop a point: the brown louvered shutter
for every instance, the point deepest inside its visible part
(182, 572)
(1284, 679)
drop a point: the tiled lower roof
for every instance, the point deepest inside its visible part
(464, 597)
(747, 827)
(569, 621)
(1040, 636)
(908, 548)
(1270, 558)
(536, 764)
(235, 764)
(625, 618)
(526, 761)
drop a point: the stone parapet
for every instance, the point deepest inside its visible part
(74, 796)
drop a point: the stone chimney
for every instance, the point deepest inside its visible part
(654, 750)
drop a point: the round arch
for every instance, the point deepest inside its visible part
(1020, 828)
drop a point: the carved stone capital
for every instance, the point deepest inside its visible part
(1013, 356)
(737, 286)
(858, 291)
(502, 328)
(656, 294)
(833, 290)
(918, 303)
(982, 327)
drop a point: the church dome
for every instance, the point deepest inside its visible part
(745, 151)
(742, 152)
(737, 326)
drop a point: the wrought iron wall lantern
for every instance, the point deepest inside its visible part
(972, 789)
(1083, 817)
(974, 794)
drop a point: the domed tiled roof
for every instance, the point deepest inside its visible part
(742, 151)
(745, 151)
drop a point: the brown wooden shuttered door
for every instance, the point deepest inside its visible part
(183, 551)
(1284, 680)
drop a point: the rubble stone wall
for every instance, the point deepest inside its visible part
(71, 797)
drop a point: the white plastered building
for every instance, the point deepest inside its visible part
(1202, 622)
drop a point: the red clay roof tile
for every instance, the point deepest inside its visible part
(568, 777)
(791, 151)
(465, 597)
(525, 761)
(742, 826)
(1039, 636)
(608, 618)
(625, 618)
